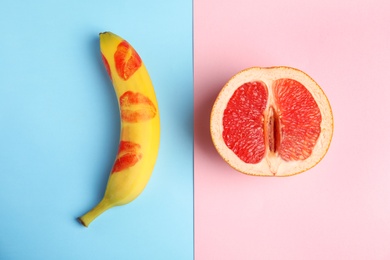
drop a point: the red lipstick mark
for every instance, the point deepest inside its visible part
(127, 60)
(136, 107)
(128, 155)
(107, 66)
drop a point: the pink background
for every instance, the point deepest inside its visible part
(341, 208)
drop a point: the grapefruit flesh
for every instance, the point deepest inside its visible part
(272, 122)
(243, 122)
(300, 119)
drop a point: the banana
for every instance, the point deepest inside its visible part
(140, 125)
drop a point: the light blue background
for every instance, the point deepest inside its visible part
(59, 130)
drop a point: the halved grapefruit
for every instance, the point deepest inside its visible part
(272, 121)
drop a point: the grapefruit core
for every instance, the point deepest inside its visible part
(272, 121)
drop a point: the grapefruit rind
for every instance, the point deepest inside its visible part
(272, 165)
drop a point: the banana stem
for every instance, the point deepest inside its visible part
(94, 213)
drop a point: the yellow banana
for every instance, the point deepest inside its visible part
(140, 125)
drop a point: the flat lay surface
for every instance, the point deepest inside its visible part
(340, 209)
(60, 130)
(60, 125)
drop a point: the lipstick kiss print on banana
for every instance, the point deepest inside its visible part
(140, 125)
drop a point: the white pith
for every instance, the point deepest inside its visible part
(272, 164)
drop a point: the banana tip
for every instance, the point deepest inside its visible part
(81, 222)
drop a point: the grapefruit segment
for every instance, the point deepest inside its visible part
(300, 119)
(271, 122)
(243, 121)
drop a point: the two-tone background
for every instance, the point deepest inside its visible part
(59, 130)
